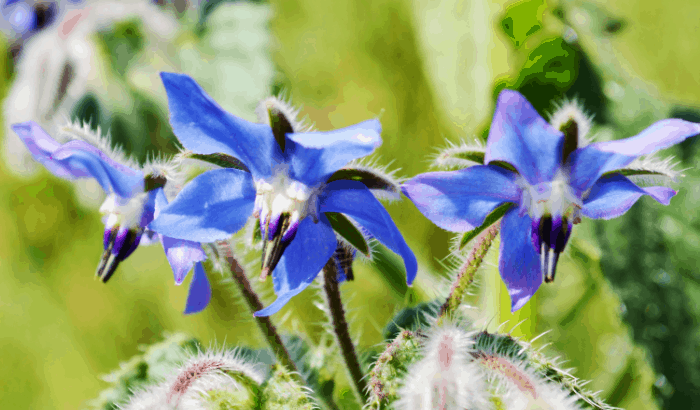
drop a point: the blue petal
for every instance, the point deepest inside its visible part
(182, 255)
(303, 259)
(42, 146)
(78, 159)
(202, 126)
(519, 263)
(589, 163)
(612, 196)
(354, 199)
(519, 136)
(459, 201)
(315, 156)
(200, 291)
(210, 207)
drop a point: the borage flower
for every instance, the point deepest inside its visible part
(290, 180)
(541, 179)
(133, 200)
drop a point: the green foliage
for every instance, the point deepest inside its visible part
(282, 391)
(490, 219)
(522, 19)
(386, 377)
(155, 364)
(122, 42)
(343, 227)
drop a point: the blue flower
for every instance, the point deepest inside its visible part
(550, 180)
(283, 178)
(132, 203)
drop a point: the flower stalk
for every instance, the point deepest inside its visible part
(465, 277)
(342, 332)
(265, 325)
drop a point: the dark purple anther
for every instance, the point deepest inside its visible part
(273, 226)
(549, 236)
(110, 233)
(291, 232)
(119, 240)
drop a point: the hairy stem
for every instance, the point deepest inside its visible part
(264, 323)
(341, 331)
(465, 277)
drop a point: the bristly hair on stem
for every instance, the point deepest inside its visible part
(465, 276)
(342, 332)
(265, 325)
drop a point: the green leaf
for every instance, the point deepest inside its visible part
(523, 19)
(632, 172)
(222, 160)
(370, 179)
(473, 156)
(347, 230)
(280, 124)
(494, 216)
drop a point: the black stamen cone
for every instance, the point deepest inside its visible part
(553, 236)
(116, 252)
(274, 247)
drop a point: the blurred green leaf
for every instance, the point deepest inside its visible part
(522, 19)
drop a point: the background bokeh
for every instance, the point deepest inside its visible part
(625, 307)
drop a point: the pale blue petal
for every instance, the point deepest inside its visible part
(211, 207)
(591, 162)
(182, 255)
(200, 291)
(520, 137)
(459, 201)
(78, 159)
(314, 156)
(354, 199)
(519, 263)
(203, 127)
(301, 262)
(614, 195)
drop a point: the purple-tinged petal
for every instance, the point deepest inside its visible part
(522, 138)
(314, 156)
(182, 255)
(354, 199)
(78, 159)
(459, 201)
(518, 262)
(591, 162)
(303, 259)
(42, 146)
(211, 207)
(614, 195)
(200, 291)
(203, 127)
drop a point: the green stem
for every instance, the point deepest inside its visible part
(265, 325)
(465, 277)
(341, 331)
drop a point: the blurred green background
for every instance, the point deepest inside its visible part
(624, 310)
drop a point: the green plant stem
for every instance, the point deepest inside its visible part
(341, 331)
(465, 277)
(264, 323)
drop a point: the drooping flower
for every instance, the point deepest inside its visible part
(290, 180)
(134, 199)
(549, 179)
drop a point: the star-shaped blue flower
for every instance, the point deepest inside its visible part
(550, 181)
(133, 201)
(284, 181)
